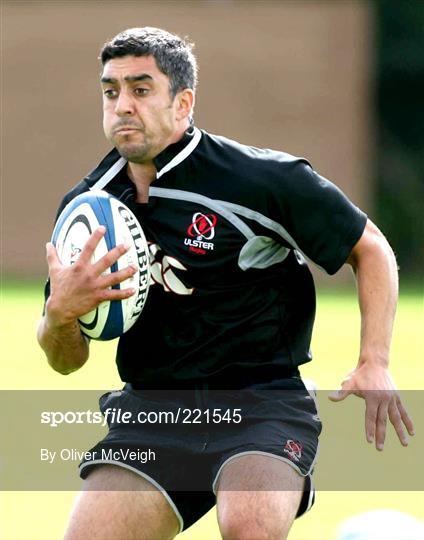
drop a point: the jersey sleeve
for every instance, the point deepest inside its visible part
(318, 219)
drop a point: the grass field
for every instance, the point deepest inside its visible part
(43, 515)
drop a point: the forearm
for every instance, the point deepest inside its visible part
(375, 267)
(64, 345)
(76, 290)
(377, 281)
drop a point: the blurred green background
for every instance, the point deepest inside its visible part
(335, 346)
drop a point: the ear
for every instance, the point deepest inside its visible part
(185, 104)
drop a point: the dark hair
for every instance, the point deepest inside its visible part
(173, 55)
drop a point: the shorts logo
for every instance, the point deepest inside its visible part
(201, 229)
(293, 449)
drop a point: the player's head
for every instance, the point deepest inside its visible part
(174, 55)
(148, 79)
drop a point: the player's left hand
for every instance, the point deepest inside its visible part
(374, 384)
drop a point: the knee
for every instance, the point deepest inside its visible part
(236, 526)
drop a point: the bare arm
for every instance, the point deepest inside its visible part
(75, 291)
(374, 264)
(65, 347)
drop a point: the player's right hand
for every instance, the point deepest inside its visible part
(78, 289)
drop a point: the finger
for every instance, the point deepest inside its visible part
(339, 395)
(405, 417)
(396, 420)
(371, 408)
(110, 258)
(52, 257)
(117, 277)
(381, 424)
(116, 294)
(91, 244)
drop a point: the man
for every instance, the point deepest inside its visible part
(232, 307)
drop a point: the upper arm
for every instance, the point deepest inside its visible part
(371, 241)
(322, 222)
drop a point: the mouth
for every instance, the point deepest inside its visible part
(125, 130)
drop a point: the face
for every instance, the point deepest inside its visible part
(140, 118)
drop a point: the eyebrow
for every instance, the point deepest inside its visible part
(128, 78)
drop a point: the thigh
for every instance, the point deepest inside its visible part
(258, 496)
(173, 459)
(117, 504)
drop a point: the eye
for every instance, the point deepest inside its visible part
(141, 91)
(110, 93)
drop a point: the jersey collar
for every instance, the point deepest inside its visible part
(175, 153)
(169, 158)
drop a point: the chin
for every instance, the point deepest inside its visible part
(133, 153)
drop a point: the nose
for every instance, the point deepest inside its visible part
(124, 104)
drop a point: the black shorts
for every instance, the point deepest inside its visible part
(181, 440)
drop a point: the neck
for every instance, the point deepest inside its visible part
(143, 174)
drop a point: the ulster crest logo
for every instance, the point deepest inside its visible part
(293, 449)
(200, 232)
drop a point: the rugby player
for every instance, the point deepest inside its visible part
(231, 308)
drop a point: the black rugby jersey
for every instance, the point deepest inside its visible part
(232, 301)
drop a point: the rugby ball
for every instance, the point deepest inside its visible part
(78, 220)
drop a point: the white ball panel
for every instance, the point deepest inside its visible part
(122, 224)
